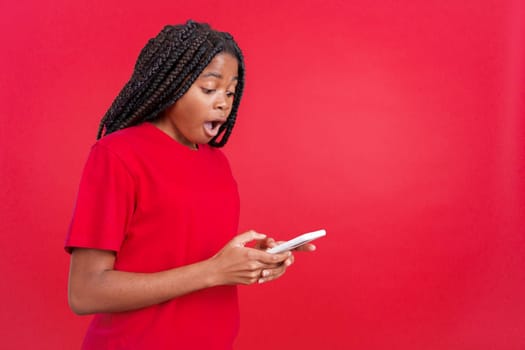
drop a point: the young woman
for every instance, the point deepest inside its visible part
(153, 251)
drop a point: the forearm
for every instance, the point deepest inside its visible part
(116, 291)
(94, 285)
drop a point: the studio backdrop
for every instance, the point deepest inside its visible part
(397, 126)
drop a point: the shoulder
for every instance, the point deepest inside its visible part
(124, 146)
(123, 138)
(128, 142)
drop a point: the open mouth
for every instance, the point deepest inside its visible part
(212, 128)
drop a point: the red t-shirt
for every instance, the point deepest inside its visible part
(159, 205)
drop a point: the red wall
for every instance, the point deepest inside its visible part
(396, 125)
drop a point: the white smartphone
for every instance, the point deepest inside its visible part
(297, 242)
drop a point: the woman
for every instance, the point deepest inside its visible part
(153, 251)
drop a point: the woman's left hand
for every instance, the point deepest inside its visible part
(272, 273)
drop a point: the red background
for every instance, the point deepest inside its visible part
(396, 125)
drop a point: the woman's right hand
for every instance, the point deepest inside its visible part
(237, 264)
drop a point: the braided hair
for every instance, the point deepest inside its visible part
(166, 68)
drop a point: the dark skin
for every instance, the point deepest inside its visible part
(95, 286)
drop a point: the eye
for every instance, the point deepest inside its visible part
(230, 93)
(207, 91)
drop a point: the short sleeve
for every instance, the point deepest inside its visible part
(104, 205)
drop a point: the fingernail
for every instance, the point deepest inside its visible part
(265, 273)
(261, 280)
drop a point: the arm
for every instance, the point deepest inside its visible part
(94, 285)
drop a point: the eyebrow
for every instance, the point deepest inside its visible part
(216, 75)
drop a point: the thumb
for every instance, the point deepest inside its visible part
(246, 237)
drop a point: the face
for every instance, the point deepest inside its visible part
(197, 116)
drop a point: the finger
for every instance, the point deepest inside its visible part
(272, 274)
(265, 257)
(268, 243)
(246, 237)
(289, 261)
(263, 266)
(286, 262)
(265, 243)
(306, 248)
(268, 258)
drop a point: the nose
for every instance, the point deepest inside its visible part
(222, 102)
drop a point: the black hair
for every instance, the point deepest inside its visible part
(166, 68)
